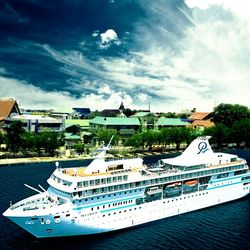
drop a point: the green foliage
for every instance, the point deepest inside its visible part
(129, 112)
(240, 132)
(227, 114)
(149, 138)
(93, 114)
(14, 136)
(104, 135)
(79, 148)
(232, 125)
(166, 136)
(2, 137)
(134, 141)
(220, 134)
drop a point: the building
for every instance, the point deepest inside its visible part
(80, 113)
(201, 120)
(37, 123)
(164, 122)
(123, 125)
(8, 107)
(113, 112)
(147, 120)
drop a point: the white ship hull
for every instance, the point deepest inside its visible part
(144, 213)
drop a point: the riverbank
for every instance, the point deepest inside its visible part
(11, 161)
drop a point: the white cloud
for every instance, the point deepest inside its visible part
(42, 99)
(109, 37)
(96, 33)
(239, 7)
(142, 97)
(207, 64)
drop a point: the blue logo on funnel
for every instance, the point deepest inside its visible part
(202, 147)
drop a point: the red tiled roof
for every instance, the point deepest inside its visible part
(6, 107)
(198, 115)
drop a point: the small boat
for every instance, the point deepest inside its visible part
(174, 185)
(191, 183)
(154, 190)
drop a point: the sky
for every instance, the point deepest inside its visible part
(170, 54)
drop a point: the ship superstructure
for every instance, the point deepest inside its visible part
(114, 194)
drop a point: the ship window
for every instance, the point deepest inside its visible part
(86, 199)
(92, 209)
(67, 215)
(57, 217)
(34, 218)
(115, 179)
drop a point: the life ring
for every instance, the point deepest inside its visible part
(47, 221)
(57, 220)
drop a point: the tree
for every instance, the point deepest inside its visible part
(227, 114)
(106, 134)
(93, 114)
(79, 148)
(134, 141)
(240, 132)
(50, 141)
(179, 135)
(220, 134)
(14, 136)
(164, 136)
(2, 137)
(150, 137)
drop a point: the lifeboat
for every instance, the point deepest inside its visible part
(191, 183)
(173, 185)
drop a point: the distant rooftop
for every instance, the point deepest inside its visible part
(199, 116)
(141, 114)
(115, 120)
(79, 122)
(162, 121)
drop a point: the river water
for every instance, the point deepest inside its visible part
(226, 226)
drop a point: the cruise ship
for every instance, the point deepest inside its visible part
(113, 194)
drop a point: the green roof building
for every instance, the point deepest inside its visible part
(123, 125)
(164, 122)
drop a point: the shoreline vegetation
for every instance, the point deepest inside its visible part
(117, 152)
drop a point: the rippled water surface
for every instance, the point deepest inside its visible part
(225, 226)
